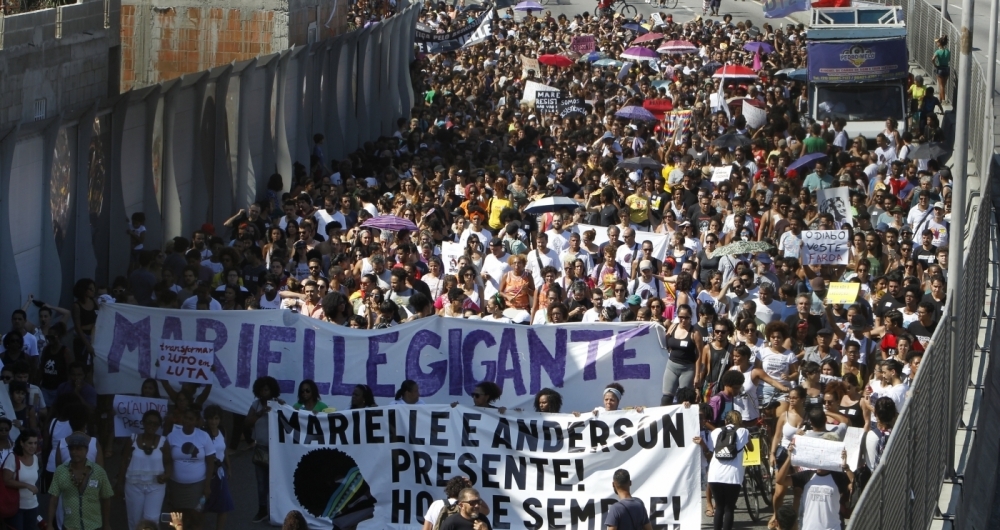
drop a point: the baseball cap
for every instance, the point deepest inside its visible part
(825, 331)
(634, 300)
(645, 265)
(77, 440)
(496, 242)
(939, 204)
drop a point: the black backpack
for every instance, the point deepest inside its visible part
(725, 444)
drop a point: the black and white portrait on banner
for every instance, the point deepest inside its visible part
(836, 202)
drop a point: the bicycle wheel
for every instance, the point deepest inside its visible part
(751, 496)
(628, 11)
(670, 4)
(766, 473)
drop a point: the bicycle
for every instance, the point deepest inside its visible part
(755, 486)
(626, 9)
(668, 4)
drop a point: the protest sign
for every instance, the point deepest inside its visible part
(825, 247)
(818, 453)
(129, 411)
(428, 40)
(572, 108)
(721, 174)
(660, 241)
(852, 444)
(547, 101)
(756, 117)
(450, 254)
(181, 361)
(527, 63)
(447, 357)
(531, 88)
(845, 293)
(383, 466)
(583, 44)
(836, 202)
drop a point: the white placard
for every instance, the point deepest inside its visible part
(129, 410)
(852, 443)
(721, 174)
(527, 63)
(383, 466)
(756, 117)
(825, 247)
(450, 254)
(817, 453)
(836, 202)
(181, 361)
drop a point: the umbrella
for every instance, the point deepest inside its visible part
(807, 161)
(638, 53)
(743, 247)
(664, 83)
(733, 71)
(593, 56)
(551, 204)
(608, 62)
(635, 27)
(677, 46)
(633, 112)
(649, 37)
(761, 47)
(732, 140)
(928, 151)
(390, 222)
(639, 163)
(528, 6)
(555, 60)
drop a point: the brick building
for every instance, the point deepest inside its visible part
(58, 60)
(164, 39)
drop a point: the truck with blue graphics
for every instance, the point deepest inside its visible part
(857, 68)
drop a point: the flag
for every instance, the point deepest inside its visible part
(720, 96)
(832, 3)
(483, 32)
(756, 61)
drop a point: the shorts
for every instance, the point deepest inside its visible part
(943, 71)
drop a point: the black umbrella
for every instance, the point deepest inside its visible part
(928, 151)
(639, 163)
(732, 140)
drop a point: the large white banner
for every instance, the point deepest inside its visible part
(447, 357)
(382, 467)
(660, 241)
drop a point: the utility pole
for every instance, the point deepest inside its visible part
(960, 174)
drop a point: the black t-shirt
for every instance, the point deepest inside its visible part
(926, 257)
(887, 303)
(800, 479)
(609, 215)
(253, 277)
(628, 514)
(457, 522)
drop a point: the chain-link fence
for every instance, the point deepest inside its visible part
(904, 491)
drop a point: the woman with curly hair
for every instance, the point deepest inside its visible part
(265, 389)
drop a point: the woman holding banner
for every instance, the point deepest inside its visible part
(142, 475)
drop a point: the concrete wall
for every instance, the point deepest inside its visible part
(164, 39)
(60, 55)
(185, 152)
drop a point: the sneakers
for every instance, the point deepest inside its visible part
(261, 516)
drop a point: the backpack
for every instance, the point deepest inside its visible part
(725, 444)
(450, 508)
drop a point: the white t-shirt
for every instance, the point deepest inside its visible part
(30, 345)
(776, 364)
(790, 244)
(435, 509)
(26, 474)
(189, 452)
(820, 505)
(727, 471)
(192, 303)
(495, 267)
(647, 291)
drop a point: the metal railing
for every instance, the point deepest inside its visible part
(905, 489)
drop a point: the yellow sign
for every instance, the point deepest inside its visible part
(751, 456)
(842, 293)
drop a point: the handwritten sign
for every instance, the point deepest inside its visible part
(825, 247)
(756, 117)
(181, 361)
(583, 44)
(547, 101)
(817, 453)
(845, 293)
(527, 63)
(751, 453)
(721, 174)
(129, 411)
(572, 108)
(852, 444)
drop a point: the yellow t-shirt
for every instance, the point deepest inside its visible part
(495, 207)
(637, 208)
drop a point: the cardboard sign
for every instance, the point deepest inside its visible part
(845, 293)
(181, 361)
(756, 117)
(129, 410)
(751, 453)
(547, 101)
(721, 174)
(531, 88)
(825, 247)
(572, 108)
(527, 63)
(583, 44)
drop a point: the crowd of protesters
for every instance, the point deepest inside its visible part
(745, 332)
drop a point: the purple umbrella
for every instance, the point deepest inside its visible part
(390, 222)
(639, 53)
(757, 46)
(806, 162)
(633, 112)
(528, 6)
